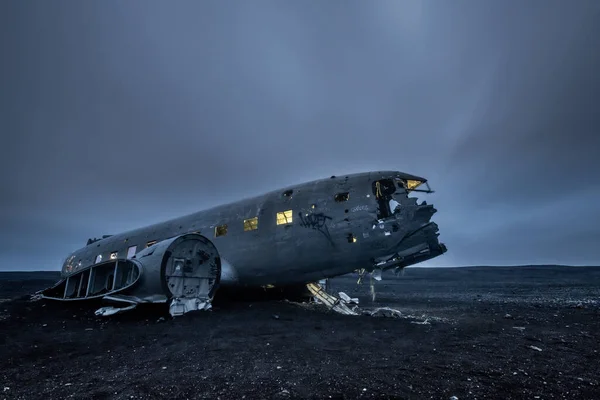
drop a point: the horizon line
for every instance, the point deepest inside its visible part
(410, 266)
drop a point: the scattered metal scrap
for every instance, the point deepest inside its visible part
(375, 275)
(342, 304)
(384, 312)
(332, 302)
(348, 299)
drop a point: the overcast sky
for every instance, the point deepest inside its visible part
(118, 114)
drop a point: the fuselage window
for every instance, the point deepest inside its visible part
(340, 197)
(150, 243)
(284, 217)
(98, 258)
(221, 230)
(251, 224)
(113, 255)
(131, 251)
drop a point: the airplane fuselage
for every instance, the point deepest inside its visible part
(297, 234)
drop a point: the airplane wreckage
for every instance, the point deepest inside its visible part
(299, 235)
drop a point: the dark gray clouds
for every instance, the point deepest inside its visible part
(115, 115)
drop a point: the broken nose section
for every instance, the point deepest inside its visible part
(424, 212)
(421, 245)
(418, 245)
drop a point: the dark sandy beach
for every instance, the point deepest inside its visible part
(473, 333)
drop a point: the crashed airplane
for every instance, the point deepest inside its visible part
(298, 235)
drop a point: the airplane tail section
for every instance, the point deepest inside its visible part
(185, 270)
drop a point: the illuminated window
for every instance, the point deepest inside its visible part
(284, 217)
(251, 224)
(113, 255)
(340, 197)
(131, 251)
(151, 243)
(98, 258)
(220, 230)
(412, 184)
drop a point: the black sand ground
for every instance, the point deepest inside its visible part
(473, 333)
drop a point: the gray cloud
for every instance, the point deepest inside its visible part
(116, 115)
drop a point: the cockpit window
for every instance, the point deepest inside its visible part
(412, 184)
